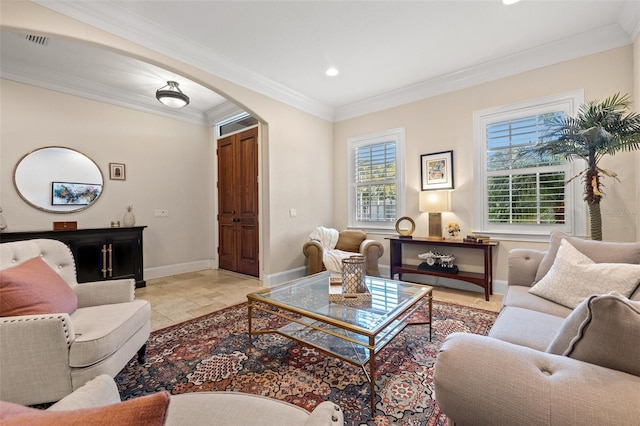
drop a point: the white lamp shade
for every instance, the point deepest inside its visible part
(434, 201)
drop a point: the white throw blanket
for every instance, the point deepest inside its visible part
(332, 258)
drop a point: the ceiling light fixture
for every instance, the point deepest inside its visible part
(508, 2)
(332, 72)
(171, 95)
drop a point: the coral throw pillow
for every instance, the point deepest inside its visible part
(148, 410)
(33, 288)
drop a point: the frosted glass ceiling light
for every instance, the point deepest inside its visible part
(171, 95)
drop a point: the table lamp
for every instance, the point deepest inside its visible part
(435, 202)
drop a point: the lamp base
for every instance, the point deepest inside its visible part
(435, 225)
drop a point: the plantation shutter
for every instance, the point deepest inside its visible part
(376, 182)
(523, 190)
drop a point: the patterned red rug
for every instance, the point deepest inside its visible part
(210, 354)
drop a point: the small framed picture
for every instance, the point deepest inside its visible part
(117, 171)
(436, 170)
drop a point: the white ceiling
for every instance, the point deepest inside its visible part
(387, 52)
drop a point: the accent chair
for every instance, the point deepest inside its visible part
(56, 334)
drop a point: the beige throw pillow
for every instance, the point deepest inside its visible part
(603, 330)
(598, 251)
(573, 276)
(350, 240)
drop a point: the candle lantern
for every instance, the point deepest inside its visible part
(353, 273)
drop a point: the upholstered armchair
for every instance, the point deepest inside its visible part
(77, 332)
(323, 240)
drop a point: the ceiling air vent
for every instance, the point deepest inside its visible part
(41, 40)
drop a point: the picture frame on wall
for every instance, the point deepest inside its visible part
(436, 171)
(74, 194)
(117, 171)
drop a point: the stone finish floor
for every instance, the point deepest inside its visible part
(182, 297)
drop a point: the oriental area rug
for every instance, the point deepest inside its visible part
(210, 353)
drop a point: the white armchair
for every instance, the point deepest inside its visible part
(47, 356)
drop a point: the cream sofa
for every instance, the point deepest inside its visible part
(101, 397)
(514, 377)
(45, 357)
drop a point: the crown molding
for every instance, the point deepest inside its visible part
(92, 91)
(223, 112)
(629, 18)
(119, 21)
(111, 17)
(584, 44)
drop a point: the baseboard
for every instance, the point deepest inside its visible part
(499, 286)
(272, 280)
(178, 268)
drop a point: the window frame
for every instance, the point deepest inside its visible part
(575, 211)
(353, 144)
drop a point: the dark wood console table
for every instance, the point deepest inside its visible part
(484, 280)
(100, 253)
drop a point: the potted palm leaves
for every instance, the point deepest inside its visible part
(599, 129)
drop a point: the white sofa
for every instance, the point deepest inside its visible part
(517, 375)
(45, 357)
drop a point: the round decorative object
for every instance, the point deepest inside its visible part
(431, 261)
(405, 232)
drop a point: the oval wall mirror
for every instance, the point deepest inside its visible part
(56, 179)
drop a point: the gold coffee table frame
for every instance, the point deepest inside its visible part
(353, 331)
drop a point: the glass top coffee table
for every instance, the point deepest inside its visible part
(351, 329)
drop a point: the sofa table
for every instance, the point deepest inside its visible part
(484, 279)
(351, 330)
(100, 253)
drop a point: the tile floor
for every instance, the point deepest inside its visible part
(181, 297)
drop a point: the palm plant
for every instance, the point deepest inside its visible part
(599, 129)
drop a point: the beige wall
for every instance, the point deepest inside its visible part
(168, 166)
(302, 157)
(636, 97)
(445, 122)
(296, 156)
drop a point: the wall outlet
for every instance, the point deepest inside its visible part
(293, 213)
(161, 213)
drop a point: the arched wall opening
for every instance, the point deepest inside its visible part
(295, 145)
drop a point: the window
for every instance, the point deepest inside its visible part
(376, 180)
(235, 124)
(524, 195)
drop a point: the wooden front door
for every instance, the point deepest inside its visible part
(238, 202)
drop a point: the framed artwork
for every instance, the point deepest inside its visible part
(117, 171)
(74, 194)
(436, 170)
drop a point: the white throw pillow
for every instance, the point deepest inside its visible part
(573, 277)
